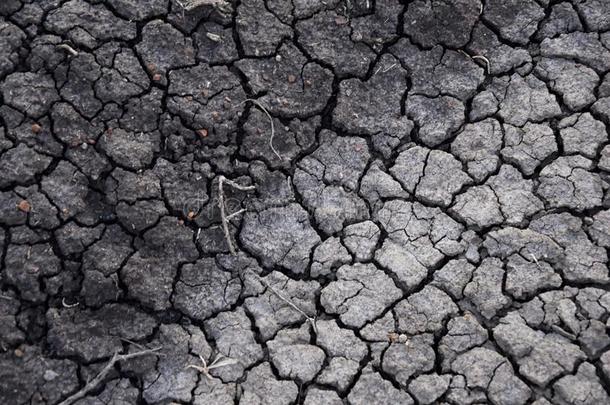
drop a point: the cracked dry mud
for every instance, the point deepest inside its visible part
(430, 222)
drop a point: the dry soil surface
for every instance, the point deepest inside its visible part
(427, 218)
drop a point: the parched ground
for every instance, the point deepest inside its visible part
(417, 194)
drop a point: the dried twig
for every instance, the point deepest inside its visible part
(6, 297)
(221, 205)
(131, 342)
(92, 384)
(66, 305)
(480, 57)
(233, 215)
(262, 107)
(383, 69)
(68, 49)
(220, 361)
(484, 59)
(311, 320)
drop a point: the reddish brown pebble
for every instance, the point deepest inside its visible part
(24, 206)
(191, 215)
(18, 353)
(202, 132)
(292, 78)
(36, 128)
(156, 77)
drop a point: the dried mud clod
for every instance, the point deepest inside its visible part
(304, 202)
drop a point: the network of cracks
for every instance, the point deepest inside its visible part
(304, 202)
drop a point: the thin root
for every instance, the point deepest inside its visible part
(262, 107)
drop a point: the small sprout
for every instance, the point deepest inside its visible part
(220, 361)
(24, 206)
(36, 128)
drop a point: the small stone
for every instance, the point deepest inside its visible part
(24, 206)
(213, 37)
(50, 375)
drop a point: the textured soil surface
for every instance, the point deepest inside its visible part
(417, 194)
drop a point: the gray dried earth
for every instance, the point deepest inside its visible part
(430, 222)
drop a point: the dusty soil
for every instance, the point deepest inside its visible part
(420, 209)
